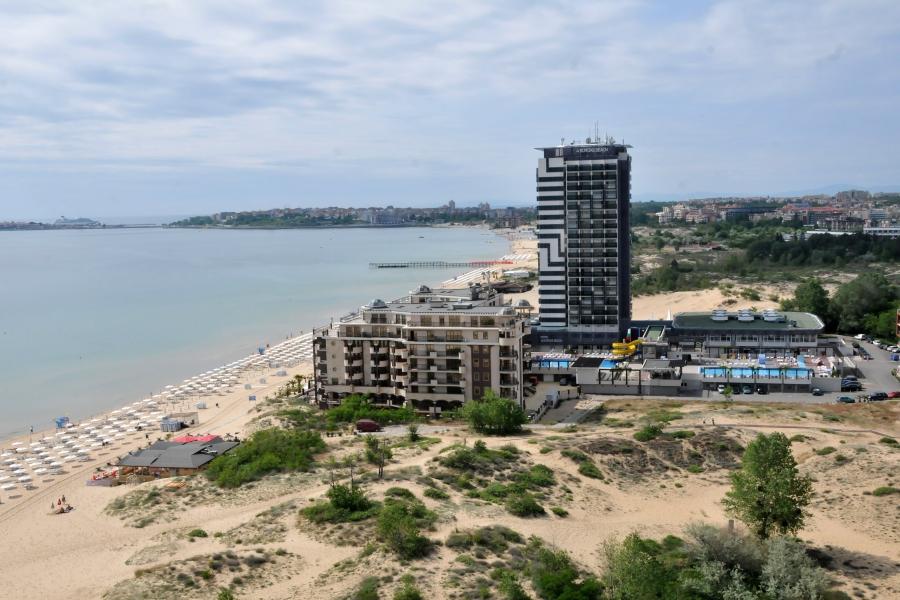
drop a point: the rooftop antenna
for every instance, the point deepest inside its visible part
(562, 141)
(597, 131)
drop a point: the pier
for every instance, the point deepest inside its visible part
(438, 264)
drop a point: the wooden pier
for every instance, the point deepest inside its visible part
(438, 264)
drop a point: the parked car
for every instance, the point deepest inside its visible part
(817, 392)
(367, 426)
(860, 336)
(894, 394)
(846, 400)
(852, 386)
(760, 390)
(720, 388)
(877, 397)
(747, 389)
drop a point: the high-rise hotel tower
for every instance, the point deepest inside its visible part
(583, 196)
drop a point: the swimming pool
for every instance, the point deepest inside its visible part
(748, 373)
(554, 364)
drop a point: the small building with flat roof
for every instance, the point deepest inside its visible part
(171, 458)
(745, 333)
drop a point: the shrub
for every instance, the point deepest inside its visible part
(648, 432)
(398, 528)
(695, 469)
(494, 415)
(524, 505)
(367, 590)
(197, 533)
(356, 406)
(345, 504)
(559, 511)
(266, 451)
(495, 538)
(826, 450)
(789, 572)
(885, 490)
(435, 493)
(225, 594)
(576, 455)
(889, 441)
(412, 432)
(683, 434)
(408, 592)
(555, 576)
(589, 469)
(399, 492)
(635, 570)
(798, 438)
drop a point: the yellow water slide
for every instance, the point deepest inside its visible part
(625, 348)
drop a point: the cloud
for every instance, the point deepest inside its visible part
(266, 84)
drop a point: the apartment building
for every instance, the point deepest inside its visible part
(431, 350)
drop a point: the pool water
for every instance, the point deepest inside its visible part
(747, 373)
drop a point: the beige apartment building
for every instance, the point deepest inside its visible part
(432, 349)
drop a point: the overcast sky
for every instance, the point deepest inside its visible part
(194, 106)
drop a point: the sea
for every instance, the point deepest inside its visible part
(94, 319)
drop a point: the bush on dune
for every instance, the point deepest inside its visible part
(266, 451)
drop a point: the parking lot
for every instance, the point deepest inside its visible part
(875, 374)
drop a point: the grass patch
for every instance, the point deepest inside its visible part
(826, 450)
(559, 511)
(683, 434)
(885, 490)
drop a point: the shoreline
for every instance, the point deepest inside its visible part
(25, 436)
(97, 400)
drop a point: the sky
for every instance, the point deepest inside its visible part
(118, 108)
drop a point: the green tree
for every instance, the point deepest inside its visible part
(494, 415)
(634, 571)
(810, 297)
(768, 493)
(868, 294)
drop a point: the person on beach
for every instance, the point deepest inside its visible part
(64, 499)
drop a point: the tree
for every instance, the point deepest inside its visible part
(378, 452)
(494, 415)
(810, 297)
(868, 294)
(635, 572)
(727, 393)
(768, 493)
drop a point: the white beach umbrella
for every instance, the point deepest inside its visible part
(8, 487)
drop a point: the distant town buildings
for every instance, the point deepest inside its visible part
(848, 211)
(387, 216)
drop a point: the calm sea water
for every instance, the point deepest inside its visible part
(90, 320)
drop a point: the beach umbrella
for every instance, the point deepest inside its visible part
(8, 487)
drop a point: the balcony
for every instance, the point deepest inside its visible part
(509, 342)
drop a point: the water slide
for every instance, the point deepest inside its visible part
(625, 348)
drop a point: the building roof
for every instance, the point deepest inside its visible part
(175, 455)
(587, 362)
(794, 321)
